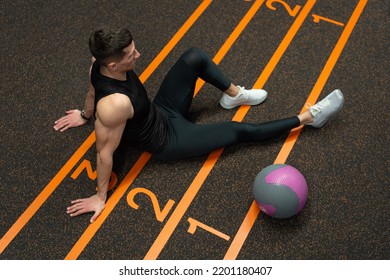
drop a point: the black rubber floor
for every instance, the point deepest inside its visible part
(202, 208)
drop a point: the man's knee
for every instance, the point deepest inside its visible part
(195, 57)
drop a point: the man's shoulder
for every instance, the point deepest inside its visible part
(115, 106)
(115, 101)
(114, 109)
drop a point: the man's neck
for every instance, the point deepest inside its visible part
(121, 76)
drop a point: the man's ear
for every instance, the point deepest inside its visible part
(112, 66)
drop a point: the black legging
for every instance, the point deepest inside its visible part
(186, 139)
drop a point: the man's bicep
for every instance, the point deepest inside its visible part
(112, 114)
(108, 137)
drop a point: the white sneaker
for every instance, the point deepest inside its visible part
(244, 97)
(326, 108)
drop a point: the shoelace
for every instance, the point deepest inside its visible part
(320, 106)
(245, 95)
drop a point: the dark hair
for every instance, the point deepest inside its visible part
(107, 43)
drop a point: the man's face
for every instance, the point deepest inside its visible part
(129, 58)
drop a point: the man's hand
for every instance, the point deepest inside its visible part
(72, 119)
(86, 205)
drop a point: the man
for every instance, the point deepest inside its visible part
(122, 111)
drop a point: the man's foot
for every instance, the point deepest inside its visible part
(244, 97)
(326, 108)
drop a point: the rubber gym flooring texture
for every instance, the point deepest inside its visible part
(201, 208)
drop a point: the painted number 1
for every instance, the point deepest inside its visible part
(194, 224)
(317, 19)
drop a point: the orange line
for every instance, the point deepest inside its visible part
(93, 228)
(144, 158)
(175, 39)
(44, 195)
(315, 93)
(59, 177)
(277, 55)
(232, 38)
(254, 210)
(110, 205)
(197, 183)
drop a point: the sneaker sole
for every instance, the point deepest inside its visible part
(254, 103)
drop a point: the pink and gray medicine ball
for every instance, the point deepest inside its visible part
(280, 190)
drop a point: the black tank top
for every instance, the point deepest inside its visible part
(147, 130)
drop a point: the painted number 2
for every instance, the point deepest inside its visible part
(161, 214)
(291, 11)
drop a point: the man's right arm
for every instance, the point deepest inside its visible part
(107, 140)
(112, 113)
